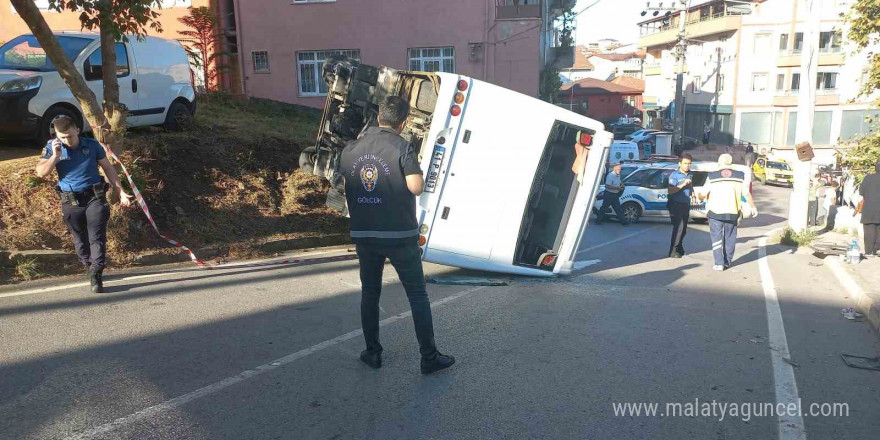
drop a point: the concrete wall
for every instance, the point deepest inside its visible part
(383, 32)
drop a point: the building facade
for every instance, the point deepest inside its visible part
(742, 74)
(604, 101)
(283, 44)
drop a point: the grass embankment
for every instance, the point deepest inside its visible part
(232, 180)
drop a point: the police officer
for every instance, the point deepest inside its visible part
(382, 179)
(83, 192)
(679, 204)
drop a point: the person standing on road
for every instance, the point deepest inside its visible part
(83, 193)
(725, 190)
(813, 201)
(611, 199)
(679, 204)
(382, 180)
(869, 207)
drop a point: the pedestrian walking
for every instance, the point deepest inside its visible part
(813, 201)
(382, 180)
(724, 194)
(678, 203)
(611, 199)
(83, 193)
(869, 207)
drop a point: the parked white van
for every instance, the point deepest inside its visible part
(500, 191)
(623, 151)
(154, 82)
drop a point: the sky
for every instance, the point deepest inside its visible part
(616, 19)
(609, 19)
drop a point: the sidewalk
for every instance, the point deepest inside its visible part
(861, 280)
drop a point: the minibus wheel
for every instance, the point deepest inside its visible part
(307, 159)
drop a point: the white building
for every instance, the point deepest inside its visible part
(604, 66)
(742, 74)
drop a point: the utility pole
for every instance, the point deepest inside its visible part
(797, 214)
(680, 50)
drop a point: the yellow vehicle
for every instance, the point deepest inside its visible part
(768, 170)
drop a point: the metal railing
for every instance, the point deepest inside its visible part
(672, 23)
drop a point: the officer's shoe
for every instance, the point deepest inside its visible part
(96, 280)
(440, 362)
(373, 359)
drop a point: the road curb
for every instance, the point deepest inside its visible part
(58, 257)
(867, 302)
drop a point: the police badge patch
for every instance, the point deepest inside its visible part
(369, 176)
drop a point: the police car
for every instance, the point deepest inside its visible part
(646, 190)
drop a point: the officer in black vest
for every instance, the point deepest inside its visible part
(382, 180)
(83, 192)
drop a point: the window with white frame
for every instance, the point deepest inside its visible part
(795, 81)
(759, 82)
(762, 42)
(310, 65)
(780, 82)
(698, 84)
(261, 61)
(432, 59)
(826, 81)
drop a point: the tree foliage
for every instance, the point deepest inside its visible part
(863, 21)
(202, 42)
(548, 89)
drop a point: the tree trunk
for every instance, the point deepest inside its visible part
(31, 15)
(114, 111)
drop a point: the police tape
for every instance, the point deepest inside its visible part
(189, 252)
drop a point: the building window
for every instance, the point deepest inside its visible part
(762, 41)
(829, 42)
(698, 84)
(857, 123)
(795, 82)
(720, 85)
(436, 59)
(310, 64)
(780, 82)
(261, 61)
(759, 82)
(755, 127)
(826, 81)
(798, 42)
(783, 42)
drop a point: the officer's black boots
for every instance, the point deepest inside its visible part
(440, 362)
(96, 280)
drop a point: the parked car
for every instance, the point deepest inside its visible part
(640, 135)
(154, 83)
(623, 150)
(620, 131)
(773, 171)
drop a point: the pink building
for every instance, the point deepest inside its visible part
(282, 44)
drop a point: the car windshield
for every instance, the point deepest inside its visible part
(25, 53)
(778, 166)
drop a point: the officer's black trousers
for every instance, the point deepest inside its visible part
(407, 260)
(88, 224)
(679, 214)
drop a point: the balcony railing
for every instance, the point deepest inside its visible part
(656, 27)
(517, 9)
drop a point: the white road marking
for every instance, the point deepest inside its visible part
(248, 374)
(578, 265)
(618, 239)
(790, 427)
(151, 275)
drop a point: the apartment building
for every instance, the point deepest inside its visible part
(284, 43)
(742, 74)
(604, 66)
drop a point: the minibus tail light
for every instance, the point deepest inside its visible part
(548, 260)
(462, 85)
(456, 110)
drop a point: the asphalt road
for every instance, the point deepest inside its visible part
(271, 352)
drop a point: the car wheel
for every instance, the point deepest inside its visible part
(307, 159)
(631, 212)
(178, 118)
(53, 112)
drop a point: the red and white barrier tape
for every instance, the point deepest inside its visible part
(189, 252)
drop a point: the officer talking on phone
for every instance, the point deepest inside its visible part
(83, 192)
